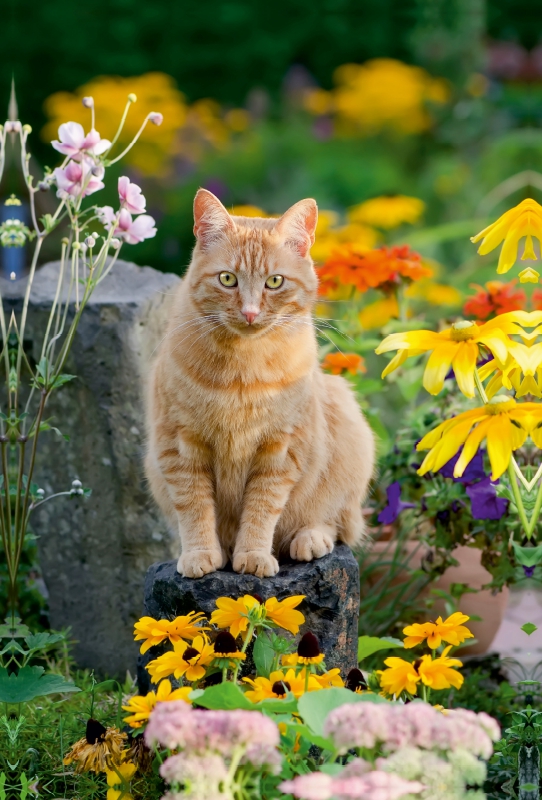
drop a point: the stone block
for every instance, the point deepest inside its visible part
(331, 606)
(94, 552)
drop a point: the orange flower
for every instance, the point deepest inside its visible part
(338, 362)
(369, 269)
(497, 298)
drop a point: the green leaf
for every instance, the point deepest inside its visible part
(367, 645)
(60, 380)
(311, 736)
(315, 706)
(224, 696)
(263, 655)
(40, 641)
(529, 628)
(275, 706)
(527, 556)
(31, 682)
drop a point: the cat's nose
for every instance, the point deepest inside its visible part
(250, 314)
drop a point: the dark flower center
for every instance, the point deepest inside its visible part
(225, 643)
(190, 653)
(281, 688)
(309, 646)
(417, 664)
(355, 680)
(257, 597)
(95, 731)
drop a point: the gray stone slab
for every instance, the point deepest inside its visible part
(94, 552)
(331, 607)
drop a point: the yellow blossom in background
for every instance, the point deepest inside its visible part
(524, 220)
(380, 94)
(450, 630)
(400, 676)
(377, 314)
(436, 294)
(330, 235)
(154, 631)
(141, 706)
(502, 422)
(440, 673)
(247, 211)
(330, 678)
(387, 211)
(188, 660)
(456, 347)
(187, 130)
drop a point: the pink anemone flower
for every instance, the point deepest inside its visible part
(132, 231)
(74, 143)
(78, 179)
(130, 196)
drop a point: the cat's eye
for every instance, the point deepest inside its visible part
(274, 281)
(227, 279)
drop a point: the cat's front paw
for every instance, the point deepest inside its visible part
(255, 562)
(196, 563)
(310, 543)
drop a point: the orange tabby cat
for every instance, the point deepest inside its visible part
(253, 451)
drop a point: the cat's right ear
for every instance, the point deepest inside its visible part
(211, 220)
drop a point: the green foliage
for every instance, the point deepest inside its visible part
(31, 682)
(367, 645)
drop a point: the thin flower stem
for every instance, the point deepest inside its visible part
(535, 512)
(480, 387)
(121, 124)
(224, 674)
(520, 475)
(517, 498)
(306, 678)
(134, 140)
(248, 637)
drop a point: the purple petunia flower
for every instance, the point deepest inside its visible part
(395, 504)
(473, 472)
(485, 503)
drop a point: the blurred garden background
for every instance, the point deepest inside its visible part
(341, 100)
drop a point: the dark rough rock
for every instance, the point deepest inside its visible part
(331, 606)
(94, 552)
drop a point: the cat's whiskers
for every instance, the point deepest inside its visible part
(193, 320)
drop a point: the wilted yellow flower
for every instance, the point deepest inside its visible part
(450, 630)
(502, 422)
(141, 706)
(524, 220)
(387, 211)
(439, 673)
(155, 631)
(399, 677)
(99, 747)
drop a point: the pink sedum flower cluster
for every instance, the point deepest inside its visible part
(132, 201)
(208, 741)
(416, 724)
(373, 785)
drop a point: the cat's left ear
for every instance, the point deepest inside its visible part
(298, 225)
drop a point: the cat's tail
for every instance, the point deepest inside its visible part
(351, 527)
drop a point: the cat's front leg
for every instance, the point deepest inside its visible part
(272, 477)
(186, 470)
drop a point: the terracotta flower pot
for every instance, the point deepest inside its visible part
(490, 607)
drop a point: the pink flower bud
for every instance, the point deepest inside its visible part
(13, 126)
(156, 118)
(43, 186)
(115, 244)
(88, 102)
(90, 241)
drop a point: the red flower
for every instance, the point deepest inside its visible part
(382, 268)
(497, 298)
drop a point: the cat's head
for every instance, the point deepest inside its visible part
(253, 274)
